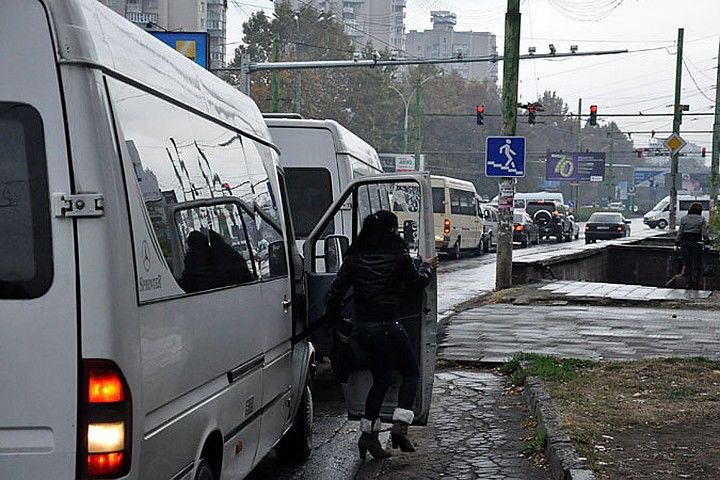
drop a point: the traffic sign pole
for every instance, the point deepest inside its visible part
(503, 264)
(677, 120)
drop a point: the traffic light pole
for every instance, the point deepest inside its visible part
(715, 161)
(677, 120)
(511, 64)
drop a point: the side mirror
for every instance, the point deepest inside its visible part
(627, 222)
(335, 247)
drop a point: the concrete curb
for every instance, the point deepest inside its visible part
(565, 463)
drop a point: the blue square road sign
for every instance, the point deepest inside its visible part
(505, 157)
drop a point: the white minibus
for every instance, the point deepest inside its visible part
(320, 158)
(458, 223)
(659, 216)
(152, 300)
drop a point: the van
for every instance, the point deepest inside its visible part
(320, 158)
(659, 216)
(152, 300)
(458, 224)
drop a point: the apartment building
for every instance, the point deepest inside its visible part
(443, 41)
(182, 16)
(379, 22)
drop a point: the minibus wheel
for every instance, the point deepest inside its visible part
(662, 224)
(204, 472)
(296, 445)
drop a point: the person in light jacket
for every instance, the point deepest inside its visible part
(375, 266)
(691, 235)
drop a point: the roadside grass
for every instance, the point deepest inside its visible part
(647, 419)
(522, 365)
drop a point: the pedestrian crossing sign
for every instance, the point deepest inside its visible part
(505, 157)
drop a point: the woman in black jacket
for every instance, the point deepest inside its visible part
(376, 265)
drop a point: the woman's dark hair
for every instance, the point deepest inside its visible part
(695, 209)
(378, 233)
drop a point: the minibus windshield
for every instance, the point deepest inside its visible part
(310, 194)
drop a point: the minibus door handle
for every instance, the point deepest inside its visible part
(286, 304)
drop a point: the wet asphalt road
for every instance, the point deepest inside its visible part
(335, 451)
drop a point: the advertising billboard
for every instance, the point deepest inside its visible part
(193, 45)
(575, 166)
(650, 176)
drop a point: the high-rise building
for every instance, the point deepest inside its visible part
(377, 22)
(180, 16)
(444, 42)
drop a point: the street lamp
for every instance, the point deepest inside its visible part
(406, 104)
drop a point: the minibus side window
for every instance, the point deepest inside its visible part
(179, 160)
(26, 268)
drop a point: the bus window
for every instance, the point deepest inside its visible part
(438, 200)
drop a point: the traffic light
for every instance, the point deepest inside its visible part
(702, 152)
(593, 115)
(639, 152)
(531, 113)
(480, 109)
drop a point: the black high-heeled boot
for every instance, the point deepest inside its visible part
(401, 420)
(370, 441)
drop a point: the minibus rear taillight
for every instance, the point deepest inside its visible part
(106, 416)
(446, 226)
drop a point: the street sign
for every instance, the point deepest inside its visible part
(505, 157)
(674, 143)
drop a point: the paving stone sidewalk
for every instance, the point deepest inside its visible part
(621, 292)
(493, 333)
(474, 432)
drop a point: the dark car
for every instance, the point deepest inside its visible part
(606, 225)
(553, 219)
(525, 232)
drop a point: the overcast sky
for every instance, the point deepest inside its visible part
(625, 83)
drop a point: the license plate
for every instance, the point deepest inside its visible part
(603, 228)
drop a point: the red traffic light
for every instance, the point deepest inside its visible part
(481, 109)
(703, 152)
(593, 108)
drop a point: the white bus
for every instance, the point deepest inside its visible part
(148, 270)
(659, 216)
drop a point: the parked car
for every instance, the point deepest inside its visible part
(552, 219)
(617, 206)
(525, 232)
(490, 226)
(605, 226)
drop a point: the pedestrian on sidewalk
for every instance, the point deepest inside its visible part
(375, 266)
(691, 236)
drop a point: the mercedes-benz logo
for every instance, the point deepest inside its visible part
(146, 255)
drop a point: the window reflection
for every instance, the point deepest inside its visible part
(185, 165)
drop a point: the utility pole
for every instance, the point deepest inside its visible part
(579, 149)
(418, 123)
(276, 77)
(715, 161)
(511, 64)
(611, 175)
(677, 120)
